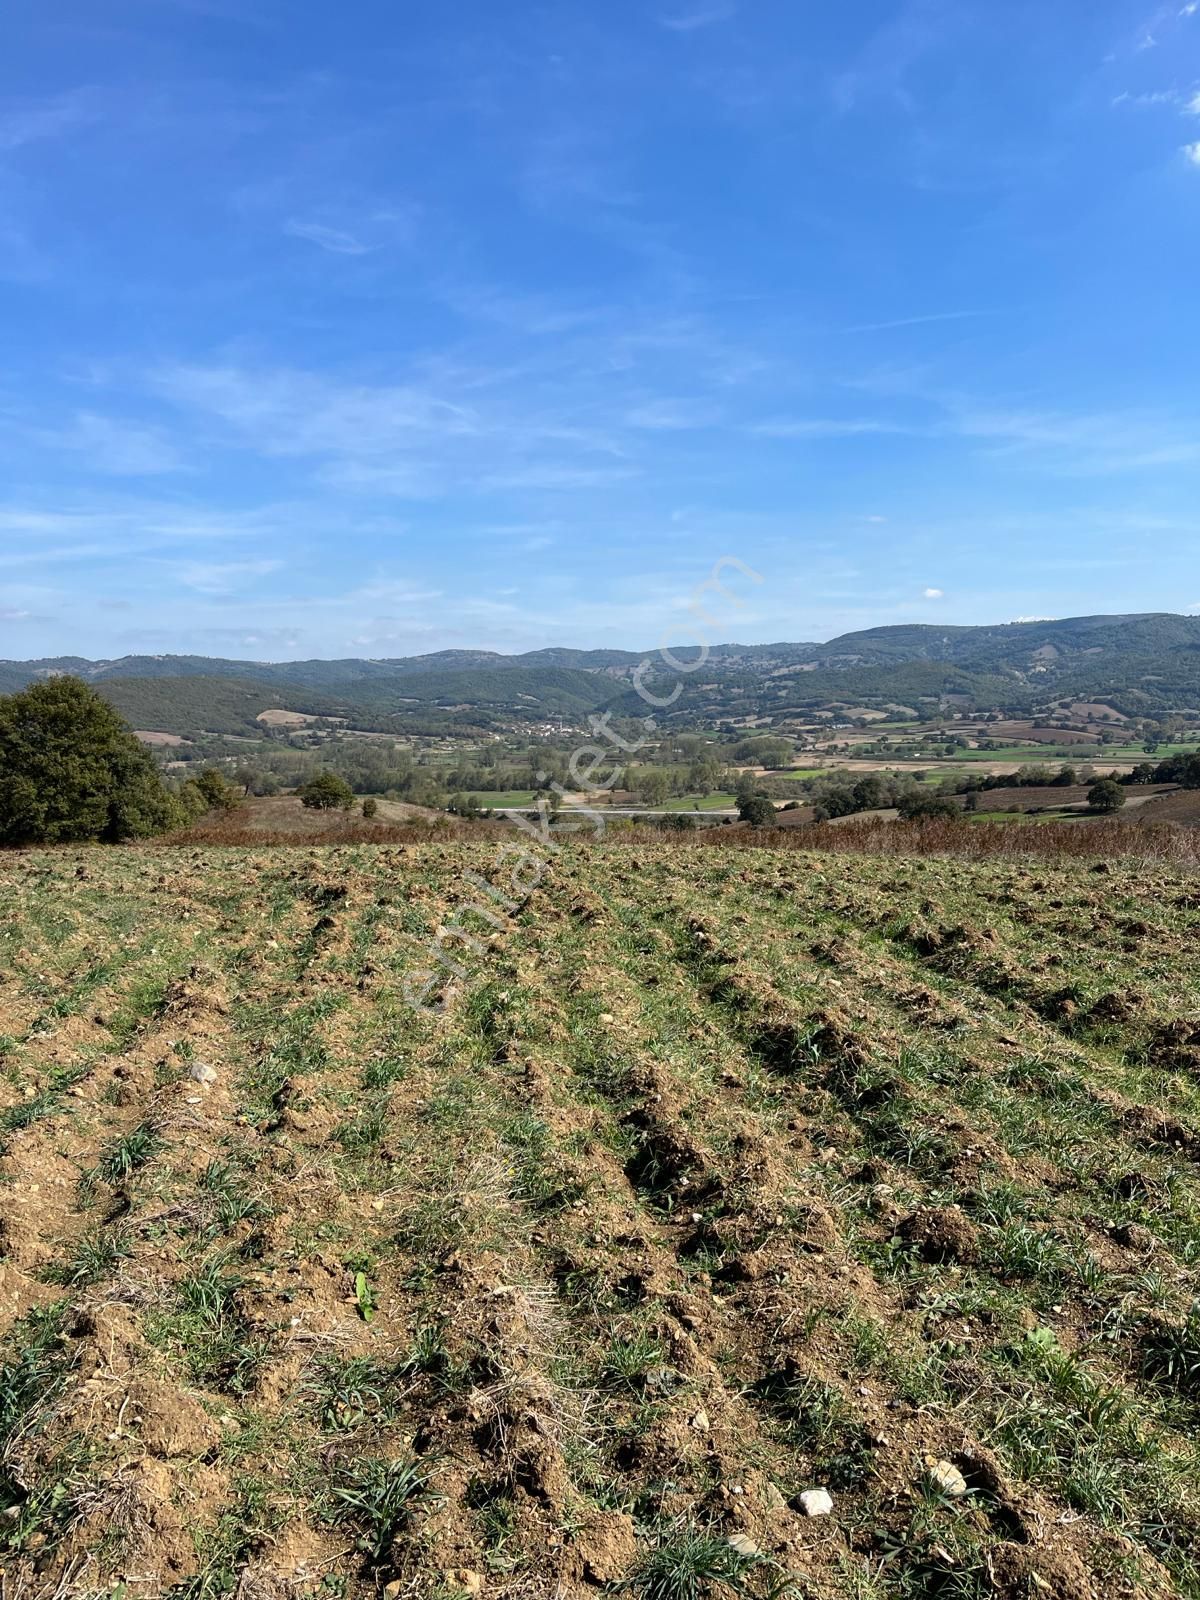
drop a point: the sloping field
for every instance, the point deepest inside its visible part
(721, 1178)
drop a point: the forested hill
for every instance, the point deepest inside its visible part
(1140, 664)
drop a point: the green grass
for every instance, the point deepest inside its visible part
(619, 1228)
(488, 798)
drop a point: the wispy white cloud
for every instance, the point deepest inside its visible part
(1192, 152)
(1090, 443)
(1071, 443)
(558, 476)
(285, 412)
(882, 67)
(46, 119)
(1151, 97)
(224, 577)
(447, 429)
(691, 21)
(670, 416)
(335, 240)
(115, 447)
(920, 321)
(825, 427)
(933, 594)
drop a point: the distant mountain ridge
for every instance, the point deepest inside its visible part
(991, 645)
(1139, 662)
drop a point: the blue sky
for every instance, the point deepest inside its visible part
(369, 329)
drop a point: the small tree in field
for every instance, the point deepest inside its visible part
(370, 806)
(758, 811)
(71, 770)
(920, 807)
(1106, 796)
(325, 791)
(219, 794)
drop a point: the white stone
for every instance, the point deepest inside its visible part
(201, 1072)
(816, 1502)
(743, 1545)
(947, 1479)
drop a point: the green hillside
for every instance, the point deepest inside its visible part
(1140, 664)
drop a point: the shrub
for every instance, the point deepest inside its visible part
(370, 806)
(325, 791)
(1106, 796)
(927, 807)
(216, 791)
(757, 810)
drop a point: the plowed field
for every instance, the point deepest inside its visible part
(719, 1178)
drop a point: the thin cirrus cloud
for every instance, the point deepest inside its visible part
(118, 448)
(447, 429)
(669, 416)
(693, 21)
(920, 321)
(224, 577)
(47, 119)
(336, 241)
(1192, 152)
(825, 427)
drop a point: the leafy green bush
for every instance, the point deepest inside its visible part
(71, 770)
(325, 791)
(758, 811)
(1107, 795)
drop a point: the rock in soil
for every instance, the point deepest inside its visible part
(743, 1545)
(816, 1502)
(947, 1479)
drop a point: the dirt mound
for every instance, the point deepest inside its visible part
(941, 1233)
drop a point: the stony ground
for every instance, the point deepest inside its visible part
(721, 1179)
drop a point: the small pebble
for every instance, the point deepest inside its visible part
(816, 1502)
(947, 1479)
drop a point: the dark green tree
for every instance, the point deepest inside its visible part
(747, 787)
(1106, 796)
(219, 794)
(325, 791)
(71, 770)
(758, 811)
(927, 807)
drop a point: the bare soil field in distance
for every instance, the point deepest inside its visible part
(721, 1177)
(1181, 806)
(284, 819)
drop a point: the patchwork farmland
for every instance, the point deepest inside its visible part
(722, 1179)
